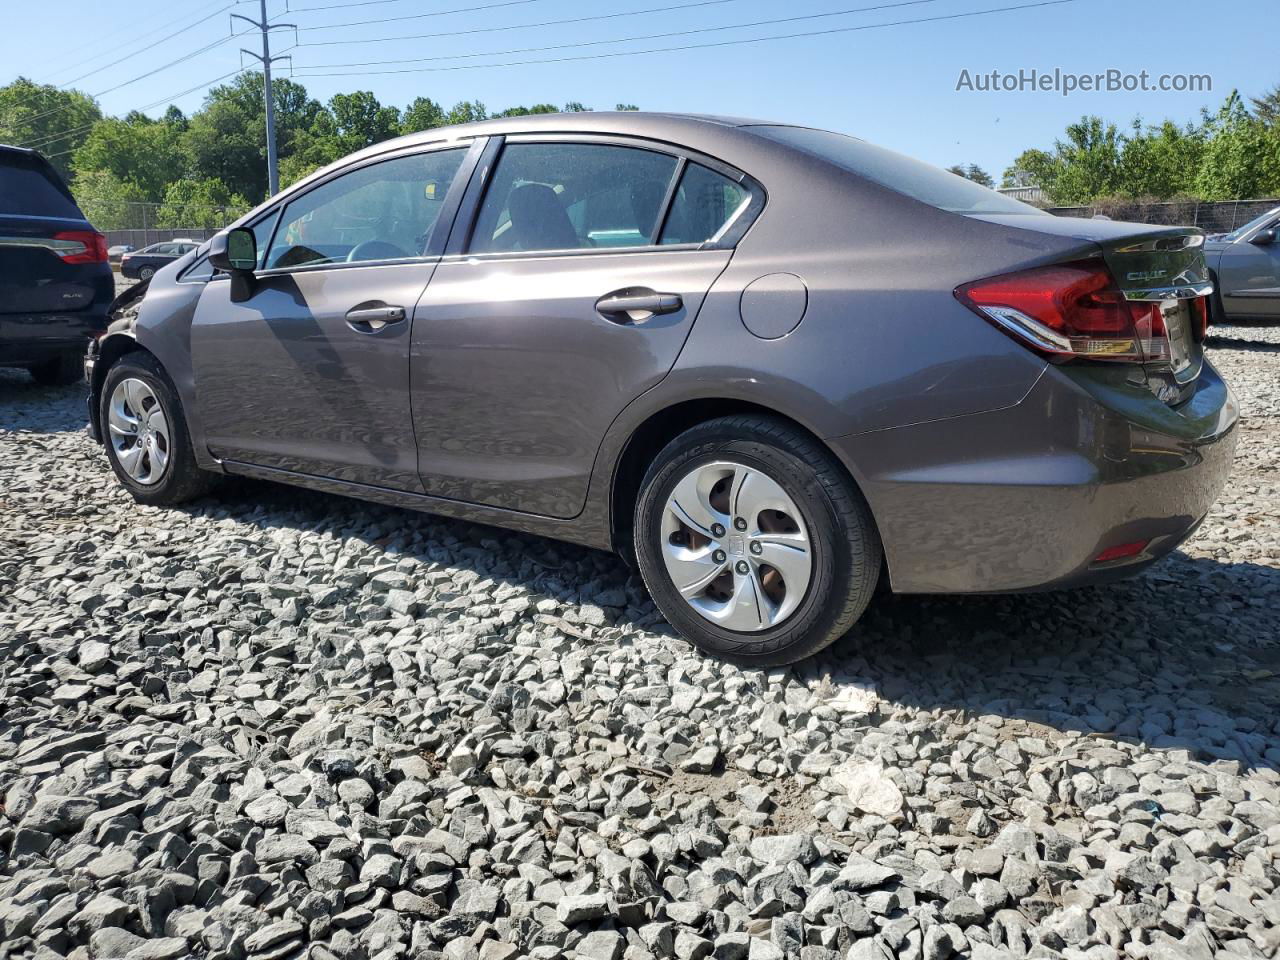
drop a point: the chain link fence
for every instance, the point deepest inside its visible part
(141, 224)
(1218, 217)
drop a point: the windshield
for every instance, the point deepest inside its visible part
(1249, 227)
(919, 180)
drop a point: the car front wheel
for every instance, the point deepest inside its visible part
(145, 434)
(753, 542)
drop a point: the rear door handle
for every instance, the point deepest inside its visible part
(370, 319)
(637, 305)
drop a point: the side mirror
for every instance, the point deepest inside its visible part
(1264, 238)
(235, 252)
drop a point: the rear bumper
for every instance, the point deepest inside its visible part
(33, 338)
(1025, 498)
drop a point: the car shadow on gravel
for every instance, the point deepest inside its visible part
(26, 405)
(1186, 656)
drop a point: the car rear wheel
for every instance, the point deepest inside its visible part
(59, 371)
(753, 542)
(146, 273)
(145, 434)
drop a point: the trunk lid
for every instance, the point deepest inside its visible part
(1157, 266)
(1167, 271)
(35, 208)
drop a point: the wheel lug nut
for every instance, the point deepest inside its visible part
(742, 566)
(718, 556)
(756, 548)
(717, 530)
(740, 523)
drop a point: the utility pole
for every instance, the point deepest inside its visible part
(266, 59)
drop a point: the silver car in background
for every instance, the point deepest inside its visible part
(1245, 267)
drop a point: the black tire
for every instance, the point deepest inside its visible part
(59, 371)
(146, 273)
(1217, 311)
(182, 479)
(846, 549)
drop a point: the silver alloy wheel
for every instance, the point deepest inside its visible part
(139, 431)
(735, 546)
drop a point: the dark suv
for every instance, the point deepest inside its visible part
(55, 282)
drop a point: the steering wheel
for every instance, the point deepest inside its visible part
(375, 250)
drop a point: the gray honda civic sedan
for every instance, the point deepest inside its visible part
(773, 366)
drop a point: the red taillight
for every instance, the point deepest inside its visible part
(92, 246)
(1199, 318)
(1070, 310)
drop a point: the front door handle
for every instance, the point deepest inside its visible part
(636, 305)
(371, 318)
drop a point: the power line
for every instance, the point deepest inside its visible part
(165, 102)
(420, 16)
(150, 46)
(523, 26)
(696, 46)
(650, 36)
(335, 6)
(62, 135)
(99, 42)
(182, 59)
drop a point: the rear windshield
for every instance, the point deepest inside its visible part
(29, 187)
(928, 184)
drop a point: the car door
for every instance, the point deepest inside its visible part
(310, 373)
(584, 267)
(1249, 273)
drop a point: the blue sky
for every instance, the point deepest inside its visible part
(894, 85)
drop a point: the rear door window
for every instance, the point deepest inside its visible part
(385, 211)
(30, 187)
(705, 203)
(572, 196)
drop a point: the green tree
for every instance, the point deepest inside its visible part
(573, 106)
(53, 121)
(423, 114)
(226, 138)
(1083, 166)
(200, 203)
(528, 111)
(1235, 164)
(972, 172)
(1031, 168)
(362, 121)
(467, 111)
(623, 107)
(137, 150)
(1160, 161)
(1267, 107)
(109, 202)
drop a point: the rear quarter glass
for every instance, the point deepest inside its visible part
(30, 187)
(906, 175)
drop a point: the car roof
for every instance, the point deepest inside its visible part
(674, 127)
(703, 132)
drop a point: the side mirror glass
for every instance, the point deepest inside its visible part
(234, 251)
(1264, 238)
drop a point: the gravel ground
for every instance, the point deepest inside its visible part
(280, 724)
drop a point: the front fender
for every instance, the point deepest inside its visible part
(119, 338)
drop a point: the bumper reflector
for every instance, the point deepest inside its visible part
(1122, 552)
